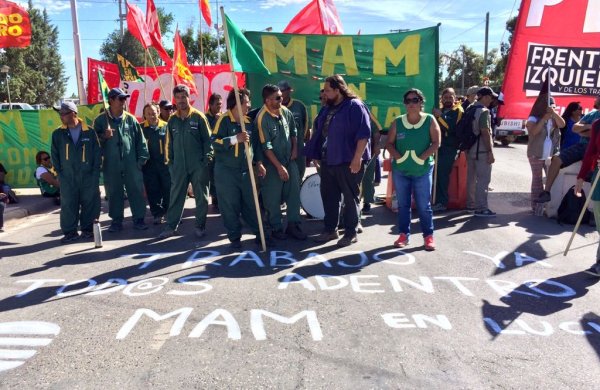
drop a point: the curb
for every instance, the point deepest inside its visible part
(15, 213)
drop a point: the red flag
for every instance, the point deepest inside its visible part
(318, 17)
(154, 32)
(181, 69)
(111, 75)
(15, 27)
(205, 11)
(137, 25)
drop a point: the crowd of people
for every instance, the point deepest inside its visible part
(178, 151)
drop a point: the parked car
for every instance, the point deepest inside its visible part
(15, 106)
(509, 130)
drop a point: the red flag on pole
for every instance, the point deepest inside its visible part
(318, 17)
(205, 11)
(137, 25)
(181, 68)
(154, 32)
(14, 21)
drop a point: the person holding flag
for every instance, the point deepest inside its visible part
(234, 186)
(125, 153)
(189, 152)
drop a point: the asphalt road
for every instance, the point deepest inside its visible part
(495, 306)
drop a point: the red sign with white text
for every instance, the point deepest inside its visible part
(559, 37)
(158, 86)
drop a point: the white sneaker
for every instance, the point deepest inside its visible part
(594, 270)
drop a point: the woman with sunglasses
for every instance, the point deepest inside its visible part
(413, 139)
(572, 115)
(46, 177)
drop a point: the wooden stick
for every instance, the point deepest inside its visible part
(587, 201)
(247, 144)
(162, 88)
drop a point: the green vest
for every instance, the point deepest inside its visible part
(45, 187)
(411, 141)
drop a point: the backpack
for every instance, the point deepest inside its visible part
(570, 208)
(464, 129)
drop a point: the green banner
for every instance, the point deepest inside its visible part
(378, 68)
(25, 132)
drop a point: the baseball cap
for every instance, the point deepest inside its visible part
(165, 104)
(472, 90)
(117, 92)
(66, 108)
(501, 98)
(487, 91)
(284, 85)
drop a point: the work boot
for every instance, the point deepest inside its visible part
(139, 224)
(346, 241)
(166, 233)
(70, 237)
(115, 227)
(326, 237)
(294, 230)
(278, 234)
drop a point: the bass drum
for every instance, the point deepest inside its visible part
(310, 196)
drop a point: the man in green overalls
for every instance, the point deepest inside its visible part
(277, 133)
(368, 181)
(298, 109)
(447, 116)
(157, 179)
(125, 153)
(189, 153)
(234, 186)
(215, 102)
(76, 156)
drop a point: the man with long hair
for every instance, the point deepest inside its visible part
(340, 144)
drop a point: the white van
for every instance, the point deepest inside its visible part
(15, 106)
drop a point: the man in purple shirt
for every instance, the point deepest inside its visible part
(340, 142)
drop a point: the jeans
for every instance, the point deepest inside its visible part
(420, 187)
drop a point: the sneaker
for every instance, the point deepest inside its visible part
(139, 224)
(326, 237)
(470, 210)
(87, 234)
(359, 228)
(278, 234)
(438, 207)
(366, 208)
(485, 213)
(115, 227)
(166, 233)
(295, 231)
(594, 270)
(543, 197)
(346, 241)
(235, 244)
(402, 241)
(429, 244)
(69, 237)
(159, 219)
(200, 232)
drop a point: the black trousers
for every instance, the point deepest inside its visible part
(337, 180)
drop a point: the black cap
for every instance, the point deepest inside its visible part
(487, 91)
(165, 104)
(117, 92)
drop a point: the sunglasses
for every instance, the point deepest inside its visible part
(414, 100)
(64, 113)
(579, 109)
(277, 98)
(122, 99)
(46, 158)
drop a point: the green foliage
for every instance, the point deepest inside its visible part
(131, 48)
(37, 73)
(207, 54)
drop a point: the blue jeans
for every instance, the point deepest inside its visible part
(420, 187)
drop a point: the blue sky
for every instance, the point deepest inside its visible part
(462, 21)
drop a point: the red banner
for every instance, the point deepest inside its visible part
(208, 79)
(561, 38)
(15, 27)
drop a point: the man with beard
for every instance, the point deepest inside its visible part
(340, 144)
(215, 102)
(573, 153)
(448, 116)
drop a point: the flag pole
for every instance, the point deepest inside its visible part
(145, 66)
(162, 88)
(247, 144)
(202, 60)
(583, 210)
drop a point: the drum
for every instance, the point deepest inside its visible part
(310, 196)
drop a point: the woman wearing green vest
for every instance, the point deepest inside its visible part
(413, 139)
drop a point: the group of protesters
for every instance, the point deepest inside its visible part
(177, 146)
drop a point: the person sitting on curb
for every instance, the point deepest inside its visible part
(46, 177)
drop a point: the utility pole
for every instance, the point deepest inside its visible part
(78, 63)
(122, 17)
(485, 51)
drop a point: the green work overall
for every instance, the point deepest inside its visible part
(368, 181)
(298, 109)
(157, 178)
(447, 152)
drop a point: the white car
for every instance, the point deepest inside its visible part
(15, 106)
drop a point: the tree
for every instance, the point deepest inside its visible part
(131, 48)
(207, 54)
(500, 66)
(37, 74)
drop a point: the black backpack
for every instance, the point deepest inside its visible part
(464, 129)
(570, 208)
